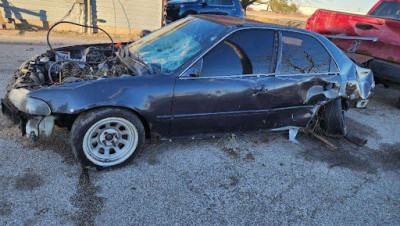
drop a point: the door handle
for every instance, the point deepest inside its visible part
(363, 26)
(258, 89)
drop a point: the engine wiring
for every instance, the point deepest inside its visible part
(69, 60)
(81, 25)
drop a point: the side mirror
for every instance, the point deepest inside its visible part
(195, 70)
(144, 33)
(194, 75)
(204, 3)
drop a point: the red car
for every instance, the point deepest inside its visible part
(372, 41)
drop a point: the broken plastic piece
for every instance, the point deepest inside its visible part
(292, 136)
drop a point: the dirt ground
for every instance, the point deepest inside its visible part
(276, 18)
(257, 178)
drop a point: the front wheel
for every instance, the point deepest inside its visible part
(107, 137)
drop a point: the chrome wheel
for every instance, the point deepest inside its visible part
(110, 141)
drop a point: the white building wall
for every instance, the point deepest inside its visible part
(133, 14)
(137, 14)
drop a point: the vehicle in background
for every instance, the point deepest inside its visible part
(371, 41)
(178, 9)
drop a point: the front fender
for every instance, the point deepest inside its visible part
(143, 94)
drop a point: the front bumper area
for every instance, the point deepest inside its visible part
(34, 126)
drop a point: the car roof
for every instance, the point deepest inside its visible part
(226, 20)
(230, 21)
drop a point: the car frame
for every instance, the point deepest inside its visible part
(171, 105)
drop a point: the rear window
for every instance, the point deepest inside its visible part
(213, 2)
(220, 2)
(303, 54)
(388, 10)
(226, 2)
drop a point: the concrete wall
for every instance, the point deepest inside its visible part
(116, 16)
(308, 10)
(142, 14)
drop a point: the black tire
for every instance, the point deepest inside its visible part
(87, 120)
(333, 122)
(398, 103)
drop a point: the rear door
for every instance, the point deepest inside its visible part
(211, 7)
(226, 96)
(304, 75)
(227, 7)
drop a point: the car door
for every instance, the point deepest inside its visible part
(227, 7)
(210, 7)
(221, 92)
(305, 75)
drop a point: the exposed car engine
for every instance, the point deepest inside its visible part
(68, 64)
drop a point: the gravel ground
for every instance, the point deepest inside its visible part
(250, 179)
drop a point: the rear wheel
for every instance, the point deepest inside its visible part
(107, 137)
(333, 121)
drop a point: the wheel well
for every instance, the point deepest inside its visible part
(66, 120)
(190, 11)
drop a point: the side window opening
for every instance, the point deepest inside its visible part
(303, 54)
(226, 2)
(244, 52)
(221, 61)
(389, 10)
(213, 2)
(332, 67)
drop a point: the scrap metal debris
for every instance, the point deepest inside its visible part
(328, 144)
(356, 140)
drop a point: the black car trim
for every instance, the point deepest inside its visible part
(261, 75)
(163, 117)
(280, 49)
(275, 56)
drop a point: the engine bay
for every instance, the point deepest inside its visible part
(67, 65)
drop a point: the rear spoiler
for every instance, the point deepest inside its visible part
(357, 40)
(345, 37)
(351, 52)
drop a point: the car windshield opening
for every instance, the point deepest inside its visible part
(167, 49)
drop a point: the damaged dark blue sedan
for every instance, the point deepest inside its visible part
(197, 77)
